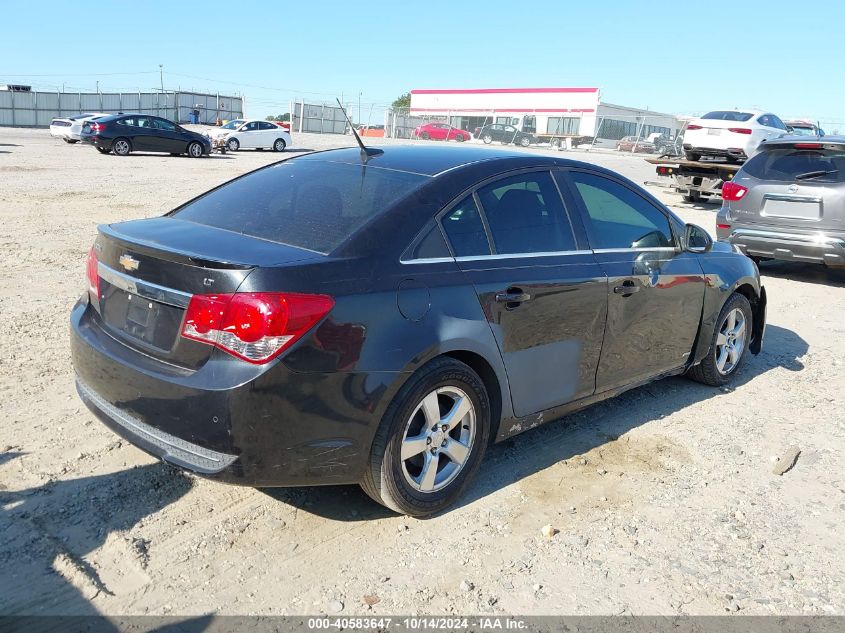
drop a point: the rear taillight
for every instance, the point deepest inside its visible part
(693, 127)
(723, 226)
(739, 130)
(732, 191)
(93, 274)
(253, 326)
(96, 128)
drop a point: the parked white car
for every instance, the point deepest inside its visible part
(252, 134)
(731, 134)
(69, 128)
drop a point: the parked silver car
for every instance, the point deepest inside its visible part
(788, 202)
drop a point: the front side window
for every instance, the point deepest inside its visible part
(465, 229)
(162, 124)
(620, 218)
(526, 215)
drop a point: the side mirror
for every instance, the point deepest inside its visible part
(697, 240)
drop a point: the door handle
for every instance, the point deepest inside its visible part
(626, 289)
(513, 297)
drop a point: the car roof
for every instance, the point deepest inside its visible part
(433, 160)
(788, 139)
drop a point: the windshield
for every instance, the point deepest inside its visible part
(789, 164)
(231, 125)
(311, 204)
(728, 115)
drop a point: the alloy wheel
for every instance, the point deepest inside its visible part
(438, 439)
(730, 342)
(121, 147)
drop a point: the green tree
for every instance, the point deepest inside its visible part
(402, 101)
(278, 117)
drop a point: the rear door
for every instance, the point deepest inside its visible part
(544, 297)
(268, 133)
(655, 290)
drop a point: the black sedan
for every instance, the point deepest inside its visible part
(125, 133)
(502, 133)
(345, 318)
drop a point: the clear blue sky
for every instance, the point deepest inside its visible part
(785, 56)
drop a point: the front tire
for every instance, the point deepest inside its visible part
(425, 136)
(431, 440)
(233, 145)
(729, 344)
(460, 138)
(121, 147)
(525, 141)
(195, 149)
(279, 145)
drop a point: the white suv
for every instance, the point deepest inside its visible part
(731, 134)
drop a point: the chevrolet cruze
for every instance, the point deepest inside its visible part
(380, 317)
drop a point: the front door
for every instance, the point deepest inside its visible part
(167, 138)
(545, 299)
(655, 290)
(249, 135)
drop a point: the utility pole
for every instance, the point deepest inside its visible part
(359, 108)
(161, 76)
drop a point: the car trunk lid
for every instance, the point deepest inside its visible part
(148, 270)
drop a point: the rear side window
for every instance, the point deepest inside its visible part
(728, 115)
(465, 229)
(619, 218)
(526, 215)
(310, 203)
(822, 165)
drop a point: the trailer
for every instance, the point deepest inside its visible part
(697, 180)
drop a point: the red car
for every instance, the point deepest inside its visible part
(440, 132)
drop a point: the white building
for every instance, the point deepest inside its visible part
(543, 111)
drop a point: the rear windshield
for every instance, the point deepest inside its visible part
(822, 165)
(728, 115)
(308, 203)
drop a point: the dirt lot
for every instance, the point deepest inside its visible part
(665, 497)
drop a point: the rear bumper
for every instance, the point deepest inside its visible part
(802, 247)
(231, 421)
(735, 152)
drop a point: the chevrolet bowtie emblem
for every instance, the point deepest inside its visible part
(128, 262)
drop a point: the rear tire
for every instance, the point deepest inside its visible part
(70, 140)
(693, 197)
(425, 136)
(525, 141)
(121, 147)
(460, 138)
(103, 150)
(715, 369)
(406, 483)
(487, 138)
(279, 145)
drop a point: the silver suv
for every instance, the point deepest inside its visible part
(788, 202)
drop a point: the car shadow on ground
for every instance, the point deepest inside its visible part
(807, 273)
(56, 525)
(537, 449)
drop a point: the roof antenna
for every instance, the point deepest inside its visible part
(366, 152)
(819, 129)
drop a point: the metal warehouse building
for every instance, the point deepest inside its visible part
(577, 112)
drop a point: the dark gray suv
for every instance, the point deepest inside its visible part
(788, 202)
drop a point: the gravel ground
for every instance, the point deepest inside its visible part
(664, 499)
